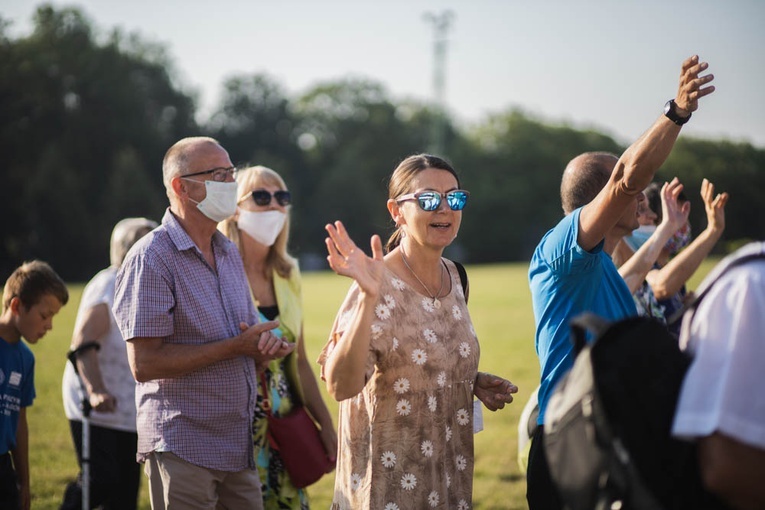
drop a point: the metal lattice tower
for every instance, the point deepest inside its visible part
(441, 24)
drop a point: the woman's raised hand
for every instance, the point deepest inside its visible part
(346, 259)
(714, 205)
(673, 212)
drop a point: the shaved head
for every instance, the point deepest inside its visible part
(584, 177)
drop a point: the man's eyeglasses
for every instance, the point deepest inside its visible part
(431, 200)
(219, 174)
(263, 197)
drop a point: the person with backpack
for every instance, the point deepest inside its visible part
(571, 271)
(402, 356)
(721, 403)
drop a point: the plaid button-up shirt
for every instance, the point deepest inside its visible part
(166, 289)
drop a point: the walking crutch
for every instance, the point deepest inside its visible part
(86, 408)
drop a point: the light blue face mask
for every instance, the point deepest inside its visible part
(639, 236)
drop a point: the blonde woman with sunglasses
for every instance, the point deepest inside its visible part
(260, 229)
(402, 357)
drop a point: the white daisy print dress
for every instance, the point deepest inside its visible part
(406, 441)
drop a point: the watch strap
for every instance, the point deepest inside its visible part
(670, 111)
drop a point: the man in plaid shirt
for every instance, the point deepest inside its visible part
(183, 305)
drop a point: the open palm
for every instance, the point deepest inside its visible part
(346, 259)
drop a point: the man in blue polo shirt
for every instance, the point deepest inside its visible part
(571, 270)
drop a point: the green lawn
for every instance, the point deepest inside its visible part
(500, 306)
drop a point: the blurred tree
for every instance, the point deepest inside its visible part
(517, 164)
(255, 124)
(738, 168)
(83, 129)
(85, 122)
(353, 136)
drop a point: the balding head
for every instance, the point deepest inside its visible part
(179, 158)
(584, 177)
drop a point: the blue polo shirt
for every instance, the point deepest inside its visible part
(565, 281)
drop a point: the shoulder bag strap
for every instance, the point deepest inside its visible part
(463, 279)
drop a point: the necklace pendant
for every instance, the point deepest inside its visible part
(436, 303)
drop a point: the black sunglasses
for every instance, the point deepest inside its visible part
(263, 197)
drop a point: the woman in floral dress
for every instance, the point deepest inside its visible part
(260, 230)
(402, 356)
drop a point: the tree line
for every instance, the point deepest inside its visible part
(85, 120)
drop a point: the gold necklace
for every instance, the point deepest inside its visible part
(436, 302)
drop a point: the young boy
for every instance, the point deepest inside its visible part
(33, 294)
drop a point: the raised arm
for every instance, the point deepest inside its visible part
(637, 166)
(153, 358)
(674, 216)
(668, 280)
(344, 370)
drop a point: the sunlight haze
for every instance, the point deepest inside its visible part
(601, 64)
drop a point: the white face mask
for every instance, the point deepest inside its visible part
(220, 201)
(263, 226)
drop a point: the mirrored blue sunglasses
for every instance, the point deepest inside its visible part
(431, 200)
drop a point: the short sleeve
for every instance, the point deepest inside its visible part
(143, 279)
(728, 351)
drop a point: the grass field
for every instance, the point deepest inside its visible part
(500, 307)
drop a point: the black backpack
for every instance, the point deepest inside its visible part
(607, 425)
(608, 422)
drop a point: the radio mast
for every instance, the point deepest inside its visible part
(441, 24)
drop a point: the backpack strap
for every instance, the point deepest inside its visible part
(586, 322)
(755, 251)
(463, 279)
(744, 255)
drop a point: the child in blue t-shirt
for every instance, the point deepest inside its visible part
(33, 294)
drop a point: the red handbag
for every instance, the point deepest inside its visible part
(297, 439)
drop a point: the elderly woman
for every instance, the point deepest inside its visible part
(260, 229)
(402, 356)
(106, 376)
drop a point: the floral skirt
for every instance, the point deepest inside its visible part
(278, 491)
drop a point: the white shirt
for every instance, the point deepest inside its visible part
(112, 360)
(724, 390)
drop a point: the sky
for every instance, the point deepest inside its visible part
(603, 64)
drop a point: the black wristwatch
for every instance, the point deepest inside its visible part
(670, 110)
